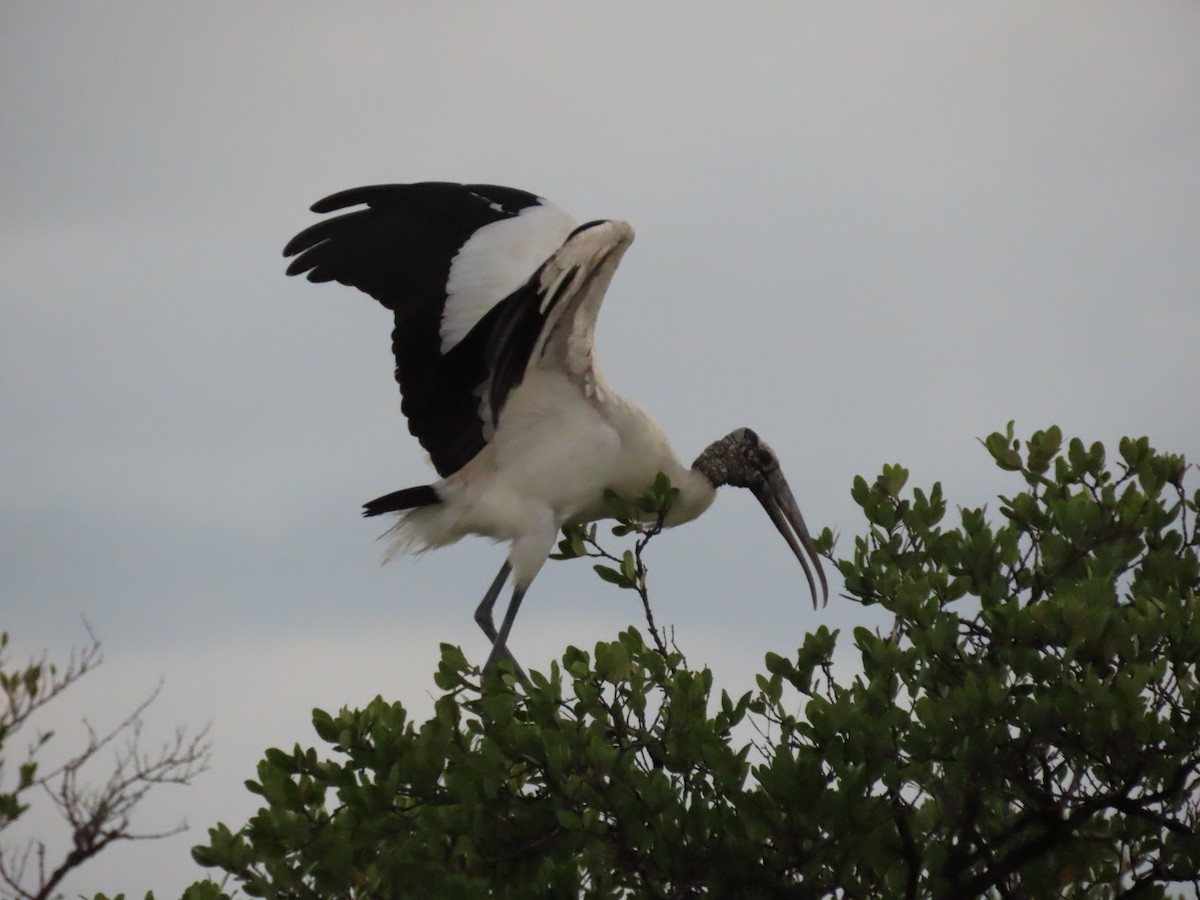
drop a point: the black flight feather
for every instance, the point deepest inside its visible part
(408, 498)
(399, 249)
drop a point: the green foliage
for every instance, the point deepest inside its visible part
(643, 517)
(1029, 726)
(622, 779)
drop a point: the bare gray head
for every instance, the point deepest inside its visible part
(743, 459)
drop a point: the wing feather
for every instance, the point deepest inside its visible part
(443, 257)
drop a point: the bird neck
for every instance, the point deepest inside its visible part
(696, 494)
(714, 461)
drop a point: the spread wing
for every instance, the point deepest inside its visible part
(455, 264)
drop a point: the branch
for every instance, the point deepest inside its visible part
(908, 845)
(28, 690)
(643, 573)
(100, 816)
(630, 569)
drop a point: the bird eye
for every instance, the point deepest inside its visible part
(765, 458)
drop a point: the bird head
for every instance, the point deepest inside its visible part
(743, 459)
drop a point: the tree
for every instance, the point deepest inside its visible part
(96, 816)
(1028, 726)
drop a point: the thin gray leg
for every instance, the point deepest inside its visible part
(500, 644)
(483, 612)
(483, 618)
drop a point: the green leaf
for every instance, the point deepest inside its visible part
(612, 576)
(1002, 451)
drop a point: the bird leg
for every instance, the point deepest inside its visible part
(483, 617)
(500, 644)
(483, 612)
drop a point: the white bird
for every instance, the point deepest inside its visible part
(495, 293)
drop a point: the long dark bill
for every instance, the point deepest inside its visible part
(776, 498)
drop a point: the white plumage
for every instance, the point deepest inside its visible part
(495, 261)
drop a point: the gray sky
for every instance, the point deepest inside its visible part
(873, 232)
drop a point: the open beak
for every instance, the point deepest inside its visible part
(776, 498)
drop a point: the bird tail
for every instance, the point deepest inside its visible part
(417, 504)
(398, 501)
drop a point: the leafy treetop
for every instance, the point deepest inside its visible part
(1029, 726)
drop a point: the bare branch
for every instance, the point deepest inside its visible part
(96, 816)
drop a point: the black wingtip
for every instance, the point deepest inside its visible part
(309, 237)
(348, 197)
(316, 233)
(406, 498)
(380, 194)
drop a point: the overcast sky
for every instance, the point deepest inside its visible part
(873, 232)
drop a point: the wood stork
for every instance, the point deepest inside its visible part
(495, 293)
